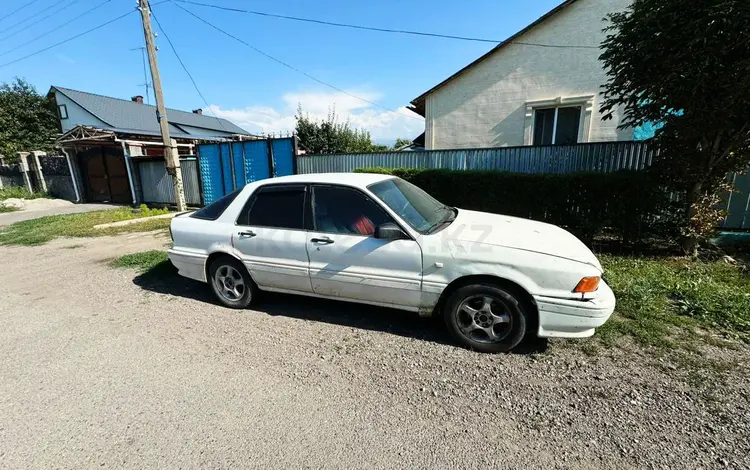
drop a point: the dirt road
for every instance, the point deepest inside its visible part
(101, 367)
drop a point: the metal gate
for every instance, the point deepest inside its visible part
(105, 175)
(156, 184)
(228, 166)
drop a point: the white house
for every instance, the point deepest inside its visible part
(542, 86)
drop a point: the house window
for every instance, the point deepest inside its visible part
(62, 110)
(556, 125)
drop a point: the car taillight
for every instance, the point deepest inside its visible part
(587, 284)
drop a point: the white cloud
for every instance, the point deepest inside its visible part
(384, 126)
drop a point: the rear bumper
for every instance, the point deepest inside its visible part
(565, 318)
(192, 265)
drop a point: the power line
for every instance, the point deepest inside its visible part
(184, 67)
(26, 43)
(382, 30)
(67, 40)
(279, 61)
(40, 19)
(30, 17)
(19, 9)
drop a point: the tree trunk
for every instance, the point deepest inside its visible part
(690, 240)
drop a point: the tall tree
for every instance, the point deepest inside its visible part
(329, 135)
(685, 64)
(27, 119)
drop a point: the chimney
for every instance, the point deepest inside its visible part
(198, 111)
(137, 99)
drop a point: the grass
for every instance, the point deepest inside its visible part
(152, 265)
(672, 302)
(19, 193)
(8, 209)
(143, 261)
(44, 229)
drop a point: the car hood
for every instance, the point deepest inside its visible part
(521, 234)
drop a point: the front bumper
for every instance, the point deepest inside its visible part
(566, 318)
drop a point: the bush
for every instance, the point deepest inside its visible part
(630, 205)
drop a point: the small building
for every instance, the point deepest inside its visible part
(116, 150)
(539, 87)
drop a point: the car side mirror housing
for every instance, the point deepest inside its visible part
(389, 231)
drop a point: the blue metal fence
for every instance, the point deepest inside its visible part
(231, 165)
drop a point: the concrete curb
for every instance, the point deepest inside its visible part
(137, 221)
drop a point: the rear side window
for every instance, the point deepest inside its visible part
(214, 210)
(281, 207)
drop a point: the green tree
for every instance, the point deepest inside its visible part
(27, 120)
(331, 136)
(685, 64)
(401, 142)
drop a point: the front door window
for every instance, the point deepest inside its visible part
(346, 211)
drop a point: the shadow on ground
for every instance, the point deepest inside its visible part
(163, 279)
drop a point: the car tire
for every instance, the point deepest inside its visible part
(231, 283)
(486, 318)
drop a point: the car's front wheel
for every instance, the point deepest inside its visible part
(231, 283)
(485, 318)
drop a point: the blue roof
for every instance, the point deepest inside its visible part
(136, 117)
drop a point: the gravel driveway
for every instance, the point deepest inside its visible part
(101, 367)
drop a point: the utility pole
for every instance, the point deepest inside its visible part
(170, 146)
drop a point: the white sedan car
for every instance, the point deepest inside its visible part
(376, 239)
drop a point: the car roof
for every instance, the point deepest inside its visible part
(360, 180)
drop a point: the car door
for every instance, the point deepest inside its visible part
(347, 261)
(270, 235)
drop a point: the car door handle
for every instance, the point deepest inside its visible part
(248, 233)
(325, 240)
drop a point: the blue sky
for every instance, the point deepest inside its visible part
(244, 86)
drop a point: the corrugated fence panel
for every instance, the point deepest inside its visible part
(226, 168)
(189, 170)
(256, 160)
(605, 156)
(157, 185)
(213, 187)
(283, 157)
(238, 160)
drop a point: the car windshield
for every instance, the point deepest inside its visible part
(421, 211)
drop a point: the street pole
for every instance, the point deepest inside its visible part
(170, 147)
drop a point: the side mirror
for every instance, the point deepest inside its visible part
(389, 231)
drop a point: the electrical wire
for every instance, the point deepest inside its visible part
(31, 17)
(54, 12)
(382, 30)
(68, 39)
(19, 9)
(26, 43)
(184, 67)
(291, 67)
(72, 37)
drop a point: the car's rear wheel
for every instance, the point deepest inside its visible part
(485, 318)
(231, 283)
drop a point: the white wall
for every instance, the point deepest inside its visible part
(76, 114)
(486, 106)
